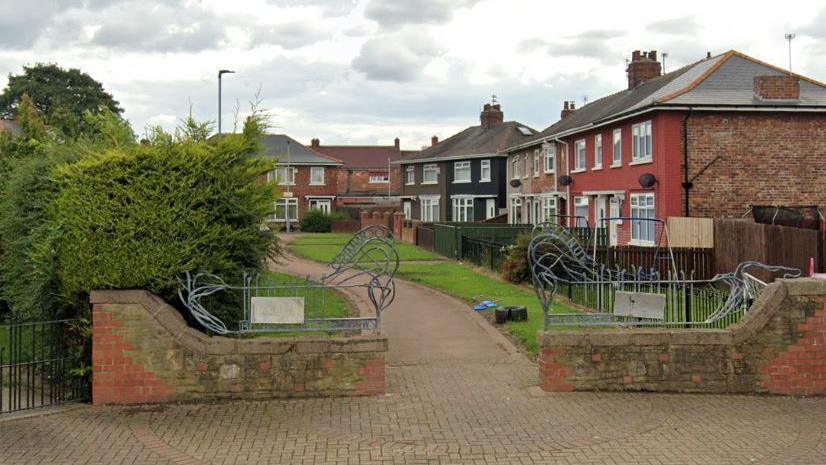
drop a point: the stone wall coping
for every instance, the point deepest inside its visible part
(758, 316)
(171, 320)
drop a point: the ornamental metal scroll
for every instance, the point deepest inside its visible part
(558, 261)
(366, 266)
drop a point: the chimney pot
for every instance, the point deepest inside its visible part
(567, 109)
(315, 142)
(397, 142)
(434, 140)
(573, 105)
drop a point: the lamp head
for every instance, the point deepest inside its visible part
(224, 71)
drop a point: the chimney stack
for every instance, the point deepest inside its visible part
(396, 143)
(777, 87)
(314, 143)
(491, 115)
(568, 108)
(434, 140)
(643, 67)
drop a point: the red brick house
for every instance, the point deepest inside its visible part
(309, 179)
(707, 140)
(366, 177)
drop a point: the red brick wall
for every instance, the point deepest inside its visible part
(357, 181)
(302, 187)
(777, 87)
(755, 158)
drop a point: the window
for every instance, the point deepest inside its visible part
(317, 176)
(379, 177)
(430, 209)
(549, 209)
(408, 210)
(516, 210)
(550, 159)
(581, 212)
(411, 175)
(283, 175)
(579, 156)
(484, 171)
(641, 142)
(525, 167)
(536, 164)
(320, 204)
(598, 151)
(461, 171)
(430, 174)
(463, 209)
(490, 208)
(617, 153)
(515, 167)
(284, 208)
(643, 228)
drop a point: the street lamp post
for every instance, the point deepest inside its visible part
(221, 73)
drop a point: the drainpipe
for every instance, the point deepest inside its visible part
(568, 200)
(687, 185)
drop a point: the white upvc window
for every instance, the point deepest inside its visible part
(643, 228)
(463, 209)
(410, 171)
(581, 212)
(285, 207)
(484, 171)
(580, 162)
(598, 151)
(461, 171)
(430, 209)
(525, 169)
(549, 209)
(430, 174)
(283, 175)
(323, 205)
(616, 154)
(379, 177)
(515, 167)
(515, 215)
(536, 163)
(550, 158)
(316, 175)
(641, 142)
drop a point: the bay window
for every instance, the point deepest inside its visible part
(463, 209)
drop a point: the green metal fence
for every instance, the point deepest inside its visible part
(448, 236)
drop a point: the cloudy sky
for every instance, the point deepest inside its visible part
(366, 71)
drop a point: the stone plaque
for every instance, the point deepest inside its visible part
(640, 305)
(277, 310)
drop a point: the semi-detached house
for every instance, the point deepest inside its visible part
(706, 140)
(462, 178)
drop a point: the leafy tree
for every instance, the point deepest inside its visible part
(63, 96)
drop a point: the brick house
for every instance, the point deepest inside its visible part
(367, 175)
(707, 140)
(463, 177)
(309, 179)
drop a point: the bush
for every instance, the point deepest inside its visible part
(515, 266)
(316, 221)
(142, 216)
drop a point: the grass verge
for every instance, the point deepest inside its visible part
(323, 247)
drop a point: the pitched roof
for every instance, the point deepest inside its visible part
(361, 156)
(9, 125)
(275, 146)
(723, 80)
(475, 141)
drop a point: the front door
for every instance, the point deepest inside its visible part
(612, 224)
(320, 204)
(408, 210)
(490, 208)
(600, 213)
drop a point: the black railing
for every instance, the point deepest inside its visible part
(43, 363)
(483, 253)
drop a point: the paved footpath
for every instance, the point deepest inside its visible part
(459, 392)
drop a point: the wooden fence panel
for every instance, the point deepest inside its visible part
(691, 232)
(425, 237)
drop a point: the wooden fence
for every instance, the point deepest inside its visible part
(691, 232)
(737, 241)
(425, 237)
(695, 262)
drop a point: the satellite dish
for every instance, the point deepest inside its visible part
(647, 180)
(566, 180)
(515, 183)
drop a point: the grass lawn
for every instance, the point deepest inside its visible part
(322, 247)
(336, 304)
(465, 283)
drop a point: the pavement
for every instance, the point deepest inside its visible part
(459, 392)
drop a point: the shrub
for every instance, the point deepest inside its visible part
(316, 221)
(515, 266)
(141, 216)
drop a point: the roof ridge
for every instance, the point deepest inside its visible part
(777, 68)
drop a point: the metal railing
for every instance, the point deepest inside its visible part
(483, 253)
(43, 363)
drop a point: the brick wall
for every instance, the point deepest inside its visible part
(302, 187)
(780, 87)
(778, 348)
(357, 181)
(755, 158)
(143, 352)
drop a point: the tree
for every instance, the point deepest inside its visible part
(63, 97)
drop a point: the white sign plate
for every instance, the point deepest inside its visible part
(277, 310)
(640, 305)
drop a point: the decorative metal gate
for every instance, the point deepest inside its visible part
(43, 363)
